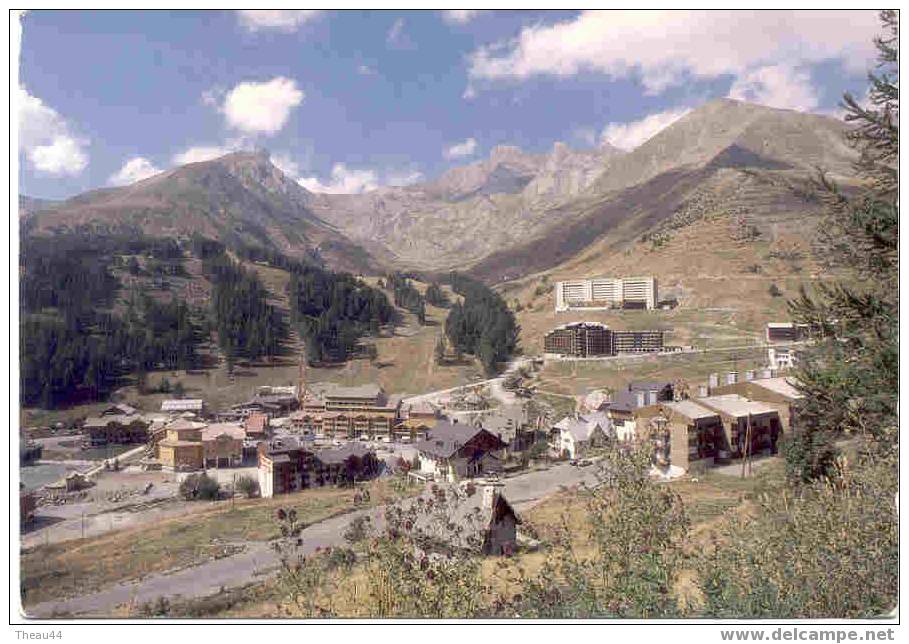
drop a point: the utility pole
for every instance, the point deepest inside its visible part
(746, 450)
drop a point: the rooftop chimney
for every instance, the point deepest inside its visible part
(491, 489)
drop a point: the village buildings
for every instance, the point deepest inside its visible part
(486, 522)
(777, 392)
(455, 451)
(573, 436)
(222, 445)
(684, 433)
(749, 427)
(333, 411)
(188, 445)
(118, 424)
(287, 464)
(513, 426)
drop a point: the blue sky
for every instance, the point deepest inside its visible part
(349, 101)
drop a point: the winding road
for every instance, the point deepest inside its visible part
(258, 559)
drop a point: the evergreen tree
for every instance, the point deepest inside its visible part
(850, 376)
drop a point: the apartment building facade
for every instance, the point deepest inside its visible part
(591, 339)
(348, 412)
(606, 293)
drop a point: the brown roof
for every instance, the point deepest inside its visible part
(231, 429)
(256, 423)
(446, 438)
(170, 443)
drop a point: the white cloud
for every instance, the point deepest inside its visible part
(277, 19)
(200, 153)
(585, 135)
(135, 169)
(286, 164)
(261, 108)
(404, 178)
(776, 86)
(63, 155)
(394, 34)
(46, 139)
(460, 16)
(666, 47)
(344, 180)
(463, 149)
(628, 136)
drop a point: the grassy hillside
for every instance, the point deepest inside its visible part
(717, 255)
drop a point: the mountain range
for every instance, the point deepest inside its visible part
(501, 218)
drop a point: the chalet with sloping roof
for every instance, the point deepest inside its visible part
(453, 451)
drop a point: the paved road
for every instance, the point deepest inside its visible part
(258, 559)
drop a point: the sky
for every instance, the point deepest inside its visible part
(348, 101)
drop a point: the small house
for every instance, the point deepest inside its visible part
(222, 445)
(452, 451)
(574, 436)
(472, 515)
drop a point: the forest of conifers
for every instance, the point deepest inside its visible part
(83, 331)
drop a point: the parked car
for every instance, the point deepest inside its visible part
(585, 462)
(573, 461)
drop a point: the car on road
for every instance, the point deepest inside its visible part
(573, 461)
(584, 462)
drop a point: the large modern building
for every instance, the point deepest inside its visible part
(786, 332)
(289, 465)
(590, 339)
(349, 412)
(606, 293)
(580, 340)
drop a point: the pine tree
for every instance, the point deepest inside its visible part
(850, 376)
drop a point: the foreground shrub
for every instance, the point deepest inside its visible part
(200, 487)
(248, 486)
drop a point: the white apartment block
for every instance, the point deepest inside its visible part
(603, 293)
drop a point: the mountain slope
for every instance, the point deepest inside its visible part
(468, 212)
(724, 143)
(516, 212)
(794, 139)
(241, 197)
(29, 205)
(733, 237)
